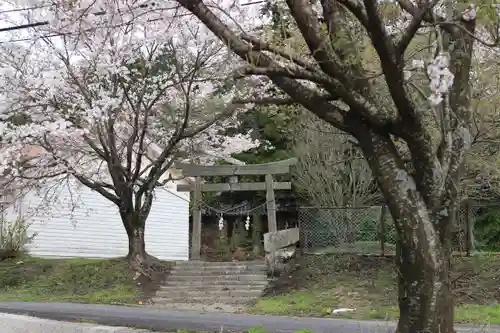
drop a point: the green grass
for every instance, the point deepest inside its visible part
(368, 285)
(313, 303)
(70, 280)
(306, 303)
(480, 314)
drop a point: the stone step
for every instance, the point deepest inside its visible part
(260, 268)
(206, 300)
(214, 293)
(221, 265)
(213, 278)
(209, 272)
(211, 263)
(212, 287)
(207, 283)
(216, 265)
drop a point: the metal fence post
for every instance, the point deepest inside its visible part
(469, 241)
(382, 230)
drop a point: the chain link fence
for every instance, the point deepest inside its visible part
(346, 230)
(371, 230)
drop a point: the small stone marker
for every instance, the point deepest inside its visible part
(342, 310)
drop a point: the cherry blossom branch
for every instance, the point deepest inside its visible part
(494, 43)
(357, 9)
(102, 106)
(276, 100)
(83, 179)
(449, 26)
(290, 72)
(409, 7)
(310, 27)
(259, 45)
(414, 25)
(306, 96)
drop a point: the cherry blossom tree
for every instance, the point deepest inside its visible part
(111, 94)
(414, 136)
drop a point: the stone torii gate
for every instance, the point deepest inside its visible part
(232, 171)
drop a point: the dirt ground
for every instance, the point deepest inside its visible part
(367, 284)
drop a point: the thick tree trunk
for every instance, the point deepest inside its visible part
(136, 244)
(423, 254)
(138, 257)
(424, 294)
(423, 263)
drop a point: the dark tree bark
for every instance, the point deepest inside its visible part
(423, 255)
(422, 202)
(137, 245)
(136, 241)
(137, 256)
(134, 216)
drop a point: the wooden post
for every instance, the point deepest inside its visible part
(382, 230)
(196, 236)
(271, 204)
(472, 238)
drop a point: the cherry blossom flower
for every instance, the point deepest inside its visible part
(105, 80)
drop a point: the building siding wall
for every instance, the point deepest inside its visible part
(82, 223)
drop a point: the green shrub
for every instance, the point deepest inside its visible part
(487, 231)
(369, 229)
(14, 236)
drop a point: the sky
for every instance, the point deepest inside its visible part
(8, 20)
(25, 15)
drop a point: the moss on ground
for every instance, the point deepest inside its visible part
(69, 280)
(368, 284)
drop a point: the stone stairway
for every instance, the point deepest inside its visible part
(212, 284)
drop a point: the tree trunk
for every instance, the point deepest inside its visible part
(424, 295)
(423, 260)
(136, 245)
(137, 255)
(423, 253)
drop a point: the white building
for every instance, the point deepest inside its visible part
(71, 220)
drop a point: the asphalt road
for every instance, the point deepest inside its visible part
(160, 320)
(10, 323)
